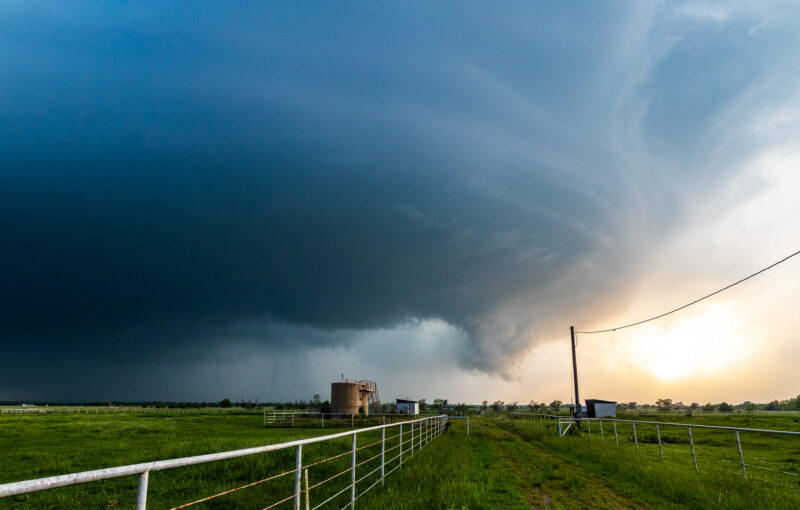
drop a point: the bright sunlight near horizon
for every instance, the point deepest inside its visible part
(707, 342)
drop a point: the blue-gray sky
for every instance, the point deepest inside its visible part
(201, 199)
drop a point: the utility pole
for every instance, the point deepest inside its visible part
(577, 409)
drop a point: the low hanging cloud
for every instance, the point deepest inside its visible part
(264, 174)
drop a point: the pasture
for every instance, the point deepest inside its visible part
(503, 463)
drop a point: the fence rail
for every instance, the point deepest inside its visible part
(312, 419)
(426, 429)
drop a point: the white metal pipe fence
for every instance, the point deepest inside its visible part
(417, 434)
(274, 418)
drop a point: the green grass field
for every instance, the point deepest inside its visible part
(503, 463)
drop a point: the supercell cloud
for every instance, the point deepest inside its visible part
(180, 180)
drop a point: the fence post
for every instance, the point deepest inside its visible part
(467, 425)
(141, 492)
(635, 437)
(322, 416)
(353, 475)
(616, 436)
(297, 476)
(292, 420)
(401, 444)
(383, 452)
(412, 438)
(589, 423)
(741, 457)
(660, 449)
(601, 429)
(307, 495)
(691, 442)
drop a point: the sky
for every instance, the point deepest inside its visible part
(201, 200)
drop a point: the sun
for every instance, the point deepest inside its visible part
(705, 343)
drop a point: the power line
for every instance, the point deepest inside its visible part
(687, 305)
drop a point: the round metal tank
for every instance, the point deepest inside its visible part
(349, 397)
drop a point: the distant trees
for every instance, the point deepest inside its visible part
(664, 404)
(555, 405)
(497, 405)
(315, 401)
(225, 402)
(248, 404)
(793, 404)
(484, 405)
(750, 407)
(709, 407)
(423, 405)
(325, 407)
(632, 405)
(511, 406)
(725, 407)
(439, 405)
(532, 404)
(461, 409)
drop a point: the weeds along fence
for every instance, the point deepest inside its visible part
(330, 471)
(322, 420)
(769, 456)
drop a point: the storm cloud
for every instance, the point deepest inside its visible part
(180, 178)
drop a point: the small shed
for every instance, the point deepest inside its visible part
(406, 406)
(596, 408)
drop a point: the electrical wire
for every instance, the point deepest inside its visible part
(687, 305)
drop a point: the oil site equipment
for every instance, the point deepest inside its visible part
(355, 397)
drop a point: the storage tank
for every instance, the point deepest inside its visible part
(349, 397)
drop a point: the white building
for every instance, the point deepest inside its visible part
(601, 408)
(405, 406)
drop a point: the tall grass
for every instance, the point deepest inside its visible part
(641, 473)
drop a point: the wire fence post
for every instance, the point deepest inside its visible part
(691, 442)
(741, 457)
(635, 437)
(353, 475)
(589, 423)
(467, 425)
(601, 430)
(141, 492)
(616, 436)
(298, 476)
(308, 503)
(660, 449)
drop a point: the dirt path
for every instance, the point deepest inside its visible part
(549, 482)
